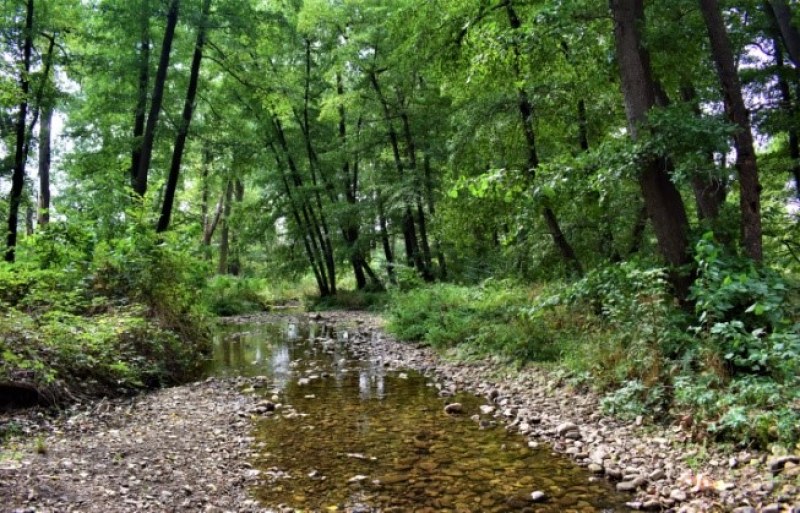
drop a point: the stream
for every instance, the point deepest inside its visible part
(339, 432)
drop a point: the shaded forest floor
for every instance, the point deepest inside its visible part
(188, 448)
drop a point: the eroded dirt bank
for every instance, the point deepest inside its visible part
(189, 448)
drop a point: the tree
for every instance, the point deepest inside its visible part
(143, 169)
(186, 119)
(18, 177)
(749, 188)
(663, 200)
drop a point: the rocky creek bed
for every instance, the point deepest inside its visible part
(191, 448)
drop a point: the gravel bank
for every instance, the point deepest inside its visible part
(179, 449)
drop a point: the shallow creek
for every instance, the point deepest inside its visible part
(349, 435)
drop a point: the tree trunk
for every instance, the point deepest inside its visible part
(141, 101)
(44, 167)
(525, 107)
(186, 119)
(789, 33)
(387, 245)
(709, 192)
(235, 265)
(663, 200)
(437, 245)
(18, 176)
(749, 188)
(140, 184)
(791, 111)
(407, 221)
(224, 239)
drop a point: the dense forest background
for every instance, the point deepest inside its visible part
(610, 186)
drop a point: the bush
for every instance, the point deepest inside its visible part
(478, 320)
(230, 295)
(122, 317)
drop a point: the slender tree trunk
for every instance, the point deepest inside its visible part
(306, 208)
(788, 106)
(44, 166)
(186, 119)
(422, 258)
(526, 117)
(140, 184)
(407, 221)
(18, 176)
(387, 245)
(709, 191)
(789, 33)
(306, 235)
(749, 188)
(314, 167)
(437, 245)
(143, 84)
(662, 199)
(224, 239)
(235, 265)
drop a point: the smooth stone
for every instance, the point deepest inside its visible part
(454, 408)
(594, 468)
(538, 496)
(677, 495)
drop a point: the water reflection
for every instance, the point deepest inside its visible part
(352, 435)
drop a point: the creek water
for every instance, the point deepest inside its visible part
(349, 435)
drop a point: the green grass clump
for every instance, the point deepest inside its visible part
(478, 320)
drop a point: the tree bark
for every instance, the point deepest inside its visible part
(387, 245)
(525, 107)
(789, 33)
(709, 192)
(18, 176)
(407, 221)
(788, 106)
(224, 239)
(140, 183)
(43, 206)
(235, 265)
(141, 100)
(749, 188)
(186, 119)
(663, 200)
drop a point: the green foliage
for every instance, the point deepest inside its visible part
(744, 380)
(231, 295)
(125, 316)
(478, 320)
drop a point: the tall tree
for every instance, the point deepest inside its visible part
(663, 200)
(18, 176)
(140, 183)
(186, 119)
(789, 33)
(735, 108)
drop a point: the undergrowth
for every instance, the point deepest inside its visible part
(727, 369)
(86, 317)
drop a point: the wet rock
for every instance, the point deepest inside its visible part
(772, 508)
(777, 464)
(594, 468)
(744, 509)
(566, 427)
(454, 409)
(486, 409)
(538, 496)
